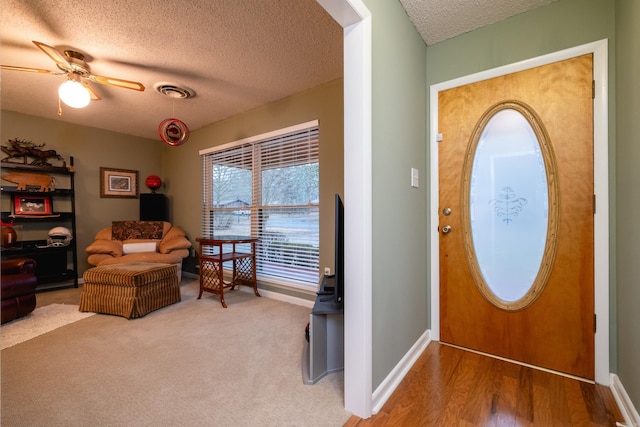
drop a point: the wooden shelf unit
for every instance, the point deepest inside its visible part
(56, 266)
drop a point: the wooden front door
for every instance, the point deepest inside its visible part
(552, 325)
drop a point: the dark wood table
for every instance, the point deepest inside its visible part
(214, 253)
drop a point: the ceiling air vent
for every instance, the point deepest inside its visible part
(174, 91)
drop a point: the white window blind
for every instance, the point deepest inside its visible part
(268, 188)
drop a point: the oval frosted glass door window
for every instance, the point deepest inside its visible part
(508, 207)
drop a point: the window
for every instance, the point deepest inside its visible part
(268, 187)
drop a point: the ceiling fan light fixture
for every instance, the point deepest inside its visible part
(74, 94)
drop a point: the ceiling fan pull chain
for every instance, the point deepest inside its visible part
(59, 107)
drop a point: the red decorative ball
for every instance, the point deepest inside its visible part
(153, 182)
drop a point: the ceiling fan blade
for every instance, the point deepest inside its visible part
(31, 70)
(53, 53)
(127, 84)
(94, 95)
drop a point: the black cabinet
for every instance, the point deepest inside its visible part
(34, 210)
(51, 262)
(154, 207)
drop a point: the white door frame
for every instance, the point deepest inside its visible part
(355, 18)
(601, 187)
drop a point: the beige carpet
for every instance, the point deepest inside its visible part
(38, 322)
(192, 363)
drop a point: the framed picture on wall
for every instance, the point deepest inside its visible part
(118, 183)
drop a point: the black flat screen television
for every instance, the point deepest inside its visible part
(339, 251)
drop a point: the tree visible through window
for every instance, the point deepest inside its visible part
(268, 187)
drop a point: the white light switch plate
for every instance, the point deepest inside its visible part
(415, 177)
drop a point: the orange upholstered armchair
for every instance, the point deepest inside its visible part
(139, 241)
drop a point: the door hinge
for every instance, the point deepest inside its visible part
(593, 89)
(595, 322)
(594, 204)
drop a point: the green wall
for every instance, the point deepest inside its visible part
(91, 149)
(182, 164)
(628, 200)
(560, 25)
(399, 294)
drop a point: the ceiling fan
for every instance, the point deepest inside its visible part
(73, 64)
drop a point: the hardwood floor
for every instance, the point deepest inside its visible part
(448, 386)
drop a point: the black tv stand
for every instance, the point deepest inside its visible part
(325, 300)
(324, 353)
(327, 290)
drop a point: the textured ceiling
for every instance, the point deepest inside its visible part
(439, 20)
(235, 54)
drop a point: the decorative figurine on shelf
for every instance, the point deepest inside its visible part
(58, 237)
(43, 181)
(153, 182)
(19, 148)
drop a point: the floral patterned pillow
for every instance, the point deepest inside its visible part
(127, 230)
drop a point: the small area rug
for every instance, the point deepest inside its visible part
(40, 321)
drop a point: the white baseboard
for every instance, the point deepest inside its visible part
(391, 382)
(625, 404)
(280, 297)
(267, 294)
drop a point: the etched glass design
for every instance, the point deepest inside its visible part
(508, 205)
